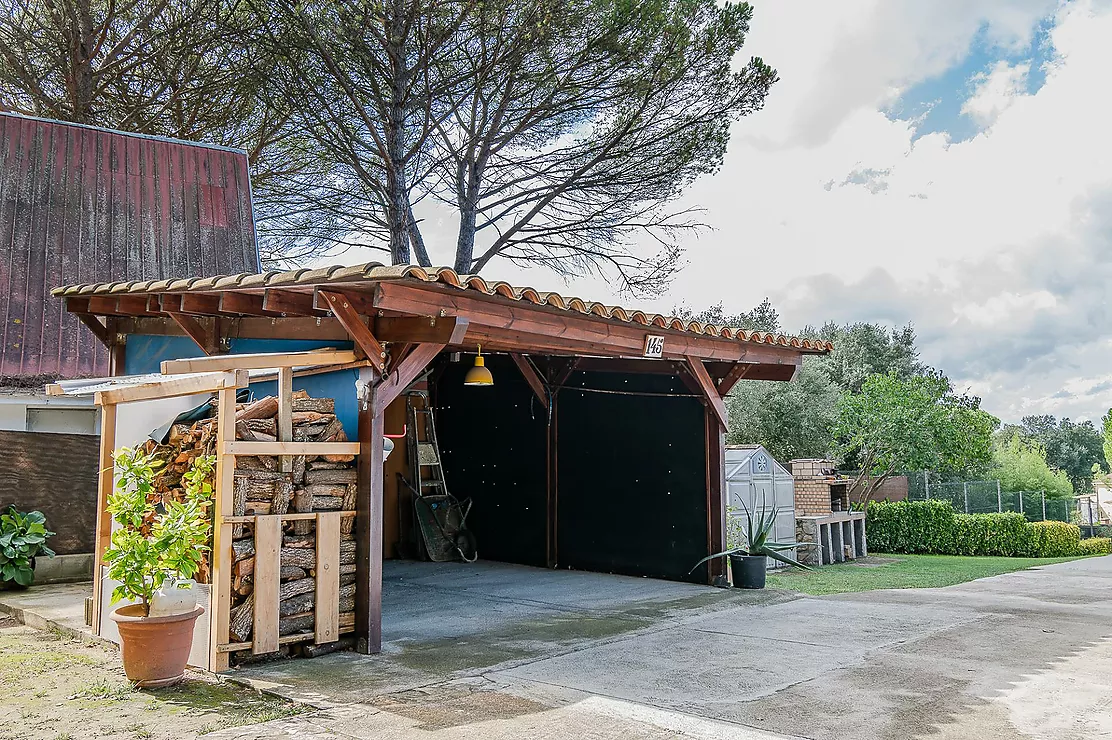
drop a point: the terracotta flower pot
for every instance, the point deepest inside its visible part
(154, 649)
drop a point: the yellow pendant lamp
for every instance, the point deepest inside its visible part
(479, 375)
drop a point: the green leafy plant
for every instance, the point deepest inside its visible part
(22, 537)
(156, 542)
(1095, 546)
(754, 539)
(1055, 539)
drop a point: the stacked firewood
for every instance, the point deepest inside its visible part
(301, 484)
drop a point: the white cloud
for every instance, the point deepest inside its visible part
(995, 92)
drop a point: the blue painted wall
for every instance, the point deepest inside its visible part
(145, 354)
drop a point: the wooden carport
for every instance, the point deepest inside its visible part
(400, 318)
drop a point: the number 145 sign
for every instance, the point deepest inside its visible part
(654, 346)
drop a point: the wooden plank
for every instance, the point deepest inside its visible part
(267, 578)
(220, 601)
(105, 483)
(327, 606)
(290, 303)
(246, 304)
(188, 386)
(200, 304)
(291, 448)
(291, 516)
(415, 329)
(258, 361)
(531, 378)
(368, 525)
(363, 337)
(716, 492)
(347, 625)
(706, 385)
(285, 414)
(195, 331)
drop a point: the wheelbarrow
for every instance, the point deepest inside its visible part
(442, 519)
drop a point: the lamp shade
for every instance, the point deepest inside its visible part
(478, 375)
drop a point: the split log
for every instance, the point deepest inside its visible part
(305, 540)
(325, 465)
(332, 432)
(298, 470)
(327, 489)
(243, 549)
(244, 567)
(302, 504)
(306, 601)
(339, 458)
(312, 650)
(266, 427)
(243, 620)
(305, 558)
(311, 417)
(327, 503)
(293, 573)
(264, 408)
(320, 405)
(258, 507)
(283, 494)
(342, 475)
(249, 462)
(239, 504)
(290, 589)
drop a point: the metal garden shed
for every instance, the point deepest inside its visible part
(757, 483)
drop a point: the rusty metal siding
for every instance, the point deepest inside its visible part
(85, 205)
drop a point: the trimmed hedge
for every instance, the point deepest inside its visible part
(1095, 546)
(934, 527)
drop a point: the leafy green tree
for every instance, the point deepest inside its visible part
(1107, 428)
(792, 420)
(1069, 447)
(1020, 464)
(862, 350)
(763, 317)
(917, 423)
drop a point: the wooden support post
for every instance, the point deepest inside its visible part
(268, 559)
(531, 377)
(368, 525)
(327, 604)
(220, 600)
(285, 414)
(716, 491)
(552, 530)
(106, 480)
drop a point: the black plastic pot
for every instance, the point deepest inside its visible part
(748, 570)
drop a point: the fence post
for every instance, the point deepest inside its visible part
(927, 485)
(965, 490)
(1044, 504)
(999, 503)
(1021, 502)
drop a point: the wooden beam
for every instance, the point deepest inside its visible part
(284, 427)
(201, 304)
(716, 492)
(412, 365)
(560, 376)
(630, 365)
(244, 304)
(361, 301)
(368, 525)
(290, 303)
(220, 600)
(346, 314)
(195, 331)
(105, 485)
(259, 361)
(327, 604)
(184, 386)
(710, 393)
(291, 448)
(735, 373)
(267, 577)
(531, 378)
(525, 323)
(99, 330)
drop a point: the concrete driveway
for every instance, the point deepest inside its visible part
(496, 651)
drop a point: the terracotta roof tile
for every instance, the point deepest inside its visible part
(375, 271)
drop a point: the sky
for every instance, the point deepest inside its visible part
(946, 164)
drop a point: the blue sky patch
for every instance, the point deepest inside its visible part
(935, 103)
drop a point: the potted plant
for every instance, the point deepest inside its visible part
(22, 537)
(750, 549)
(157, 548)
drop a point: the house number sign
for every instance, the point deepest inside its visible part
(654, 346)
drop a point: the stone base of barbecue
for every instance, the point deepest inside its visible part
(833, 538)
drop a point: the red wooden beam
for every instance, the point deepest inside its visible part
(709, 392)
(531, 377)
(368, 525)
(364, 339)
(735, 373)
(412, 365)
(99, 330)
(290, 303)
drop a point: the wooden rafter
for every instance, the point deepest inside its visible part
(531, 377)
(736, 373)
(259, 361)
(360, 333)
(99, 330)
(290, 303)
(709, 391)
(195, 331)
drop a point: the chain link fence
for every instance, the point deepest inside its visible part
(986, 497)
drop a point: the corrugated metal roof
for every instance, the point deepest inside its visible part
(82, 204)
(376, 271)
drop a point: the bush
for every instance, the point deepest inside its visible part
(910, 526)
(1007, 535)
(1054, 539)
(1095, 546)
(933, 527)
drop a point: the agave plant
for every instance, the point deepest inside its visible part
(756, 540)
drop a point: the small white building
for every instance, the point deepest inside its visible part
(755, 481)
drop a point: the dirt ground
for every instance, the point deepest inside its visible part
(60, 688)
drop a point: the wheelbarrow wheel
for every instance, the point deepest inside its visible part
(466, 545)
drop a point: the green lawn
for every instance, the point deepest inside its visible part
(900, 571)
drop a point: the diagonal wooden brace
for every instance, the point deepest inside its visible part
(356, 328)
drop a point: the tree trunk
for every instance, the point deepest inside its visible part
(417, 241)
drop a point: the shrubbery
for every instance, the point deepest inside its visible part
(934, 527)
(1095, 546)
